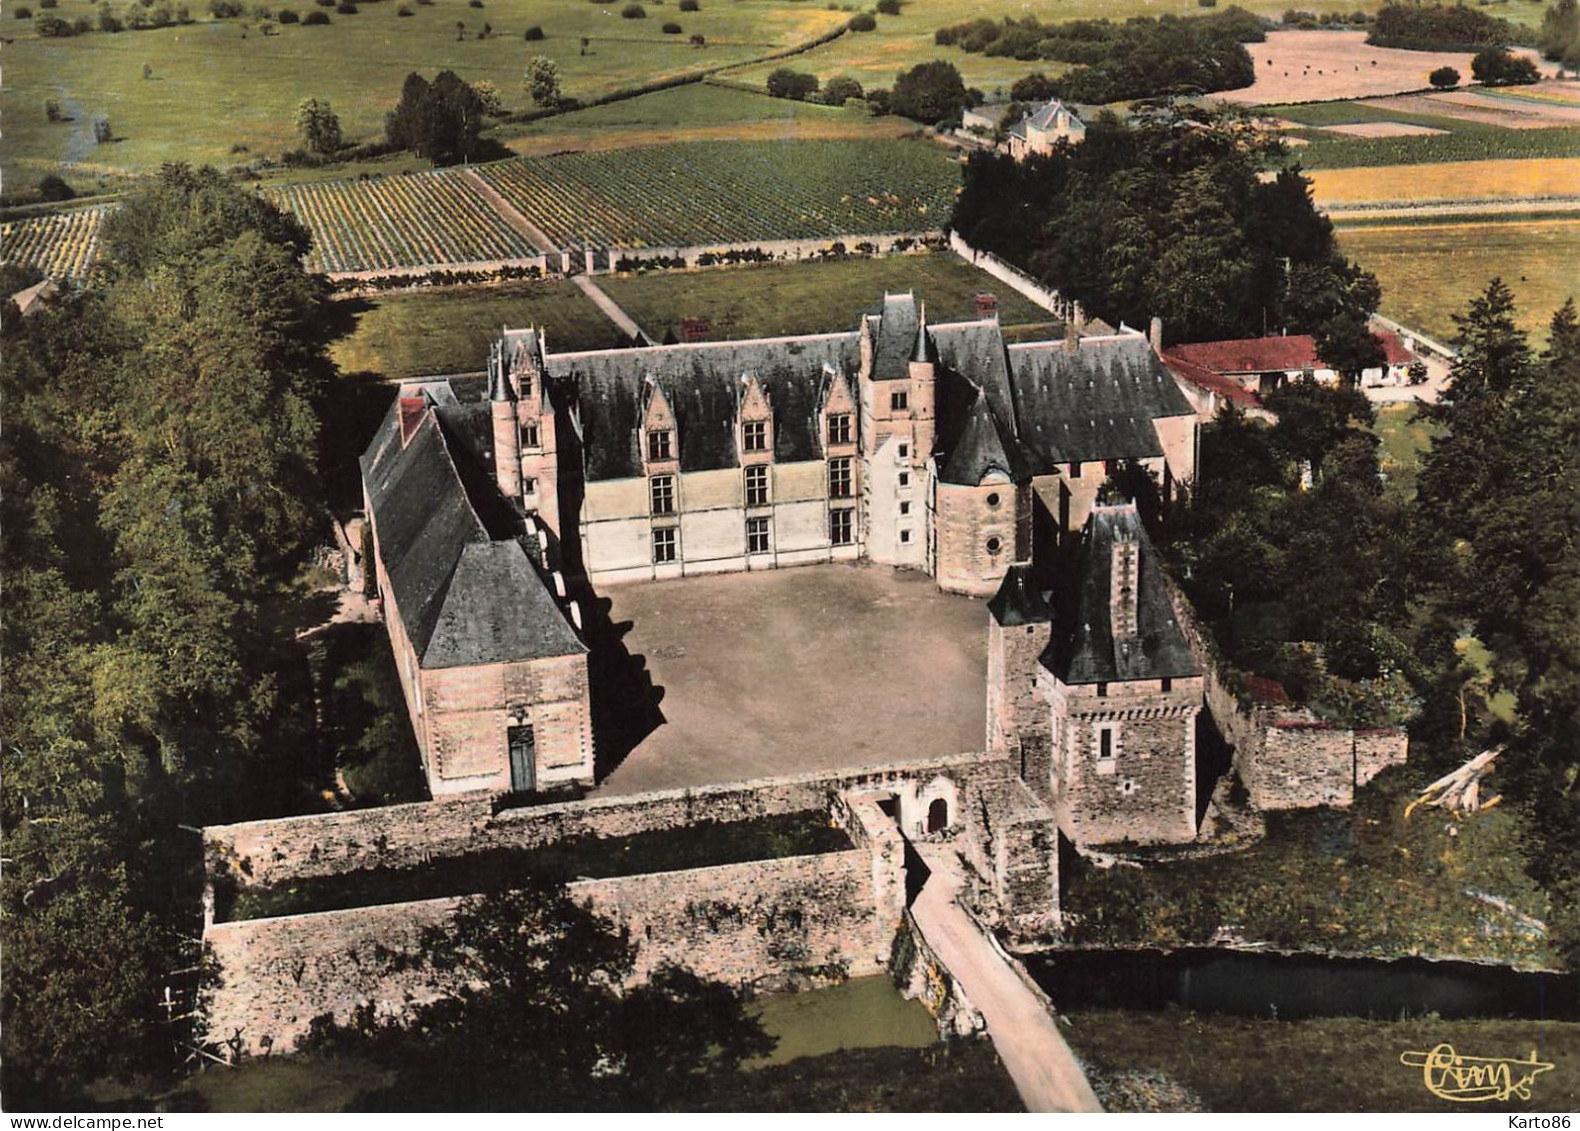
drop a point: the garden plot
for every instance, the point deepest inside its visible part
(1486, 108)
(1318, 66)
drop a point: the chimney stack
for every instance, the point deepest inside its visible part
(1155, 336)
(411, 410)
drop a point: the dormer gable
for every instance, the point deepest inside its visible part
(837, 426)
(658, 434)
(754, 425)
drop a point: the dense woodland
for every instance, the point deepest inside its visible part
(1139, 58)
(1441, 27)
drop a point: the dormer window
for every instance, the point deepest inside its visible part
(660, 445)
(839, 428)
(754, 436)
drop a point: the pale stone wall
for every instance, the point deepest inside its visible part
(895, 507)
(967, 519)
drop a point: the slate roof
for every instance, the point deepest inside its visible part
(463, 597)
(976, 351)
(1096, 402)
(1017, 601)
(1045, 116)
(981, 448)
(894, 334)
(701, 381)
(1086, 651)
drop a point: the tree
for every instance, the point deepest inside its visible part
(785, 83)
(1560, 33)
(840, 89)
(534, 1016)
(103, 132)
(51, 187)
(318, 126)
(1345, 342)
(488, 98)
(1498, 66)
(929, 92)
(863, 21)
(542, 80)
(1444, 78)
(440, 120)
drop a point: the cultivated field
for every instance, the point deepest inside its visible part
(1430, 272)
(63, 245)
(216, 85)
(402, 221)
(1318, 66)
(716, 192)
(1460, 180)
(811, 298)
(1375, 129)
(1489, 107)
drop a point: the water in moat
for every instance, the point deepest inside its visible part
(1296, 986)
(859, 1014)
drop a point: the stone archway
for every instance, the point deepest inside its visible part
(938, 815)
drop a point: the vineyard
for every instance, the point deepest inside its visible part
(63, 245)
(685, 195)
(401, 221)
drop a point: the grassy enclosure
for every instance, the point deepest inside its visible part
(244, 86)
(1430, 272)
(810, 298)
(448, 330)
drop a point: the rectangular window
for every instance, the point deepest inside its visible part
(839, 428)
(529, 436)
(1102, 690)
(899, 400)
(665, 544)
(905, 479)
(659, 446)
(662, 491)
(905, 508)
(1075, 469)
(842, 527)
(757, 536)
(905, 450)
(754, 436)
(1105, 746)
(840, 484)
(905, 536)
(529, 486)
(757, 486)
(1168, 684)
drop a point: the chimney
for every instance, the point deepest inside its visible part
(1072, 334)
(411, 410)
(987, 305)
(695, 329)
(1124, 584)
(1155, 336)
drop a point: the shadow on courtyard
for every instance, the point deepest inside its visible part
(625, 701)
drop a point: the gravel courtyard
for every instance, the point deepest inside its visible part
(794, 670)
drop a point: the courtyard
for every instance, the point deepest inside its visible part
(798, 670)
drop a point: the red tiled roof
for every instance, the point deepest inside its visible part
(1394, 352)
(1251, 355)
(1226, 387)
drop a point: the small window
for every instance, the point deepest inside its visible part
(529, 486)
(1105, 744)
(1102, 690)
(905, 451)
(1105, 747)
(839, 428)
(665, 544)
(899, 400)
(529, 436)
(662, 491)
(1075, 470)
(905, 536)
(754, 436)
(840, 482)
(905, 508)
(905, 479)
(994, 545)
(993, 500)
(1168, 684)
(660, 445)
(842, 527)
(757, 536)
(757, 486)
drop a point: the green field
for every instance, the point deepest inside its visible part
(1335, 1064)
(413, 333)
(809, 298)
(218, 84)
(1430, 272)
(1403, 436)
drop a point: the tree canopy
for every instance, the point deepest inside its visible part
(441, 120)
(929, 92)
(159, 470)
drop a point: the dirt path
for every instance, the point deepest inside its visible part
(1473, 208)
(606, 304)
(510, 214)
(1045, 1071)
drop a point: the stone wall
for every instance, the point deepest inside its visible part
(1045, 297)
(737, 923)
(262, 853)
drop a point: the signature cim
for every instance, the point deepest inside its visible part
(1475, 1079)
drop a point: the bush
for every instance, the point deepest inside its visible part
(52, 27)
(47, 5)
(315, 19)
(1206, 3)
(672, 29)
(1444, 78)
(289, 16)
(532, 34)
(103, 131)
(52, 110)
(889, 7)
(1497, 66)
(785, 83)
(633, 12)
(930, 92)
(81, 25)
(690, 6)
(863, 21)
(24, 13)
(698, 40)
(346, 8)
(225, 9)
(839, 89)
(52, 188)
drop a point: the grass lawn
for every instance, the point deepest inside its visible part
(1429, 272)
(808, 298)
(1362, 881)
(219, 83)
(412, 333)
(1404, 437)
(1336, 1064)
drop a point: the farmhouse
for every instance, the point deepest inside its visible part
(1033, 128)
(1258, 365)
